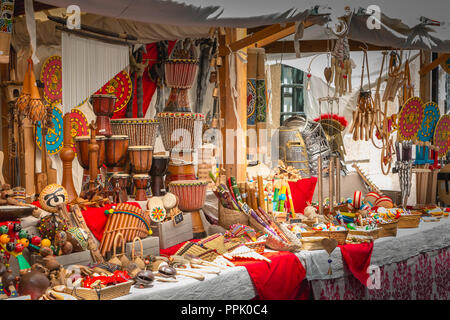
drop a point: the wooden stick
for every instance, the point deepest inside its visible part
(261, 192)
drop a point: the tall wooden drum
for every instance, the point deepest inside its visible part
(141, 158)
(142, 183)
(116, 153)
(191, 196)
(81, 147)
(158, 172)
(180, 170)
(103, 106)
(141, 132)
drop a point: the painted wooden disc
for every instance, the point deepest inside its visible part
(78, 125)
(442, 135)
(54, 137)
(429, 121)
(51, 77)
(410, 118)
(121, 87)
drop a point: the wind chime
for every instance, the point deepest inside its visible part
(341, 64)
(364, 117)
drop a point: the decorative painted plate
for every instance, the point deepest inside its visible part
(51, 77)
(446, 65)
(442, 135)
(410, 118)
(54, 138)
(78, 125)
(121, 87)
(430, 118)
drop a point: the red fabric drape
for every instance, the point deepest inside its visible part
(279, 280)
(148, 85)
(357, 258)
(302, 192)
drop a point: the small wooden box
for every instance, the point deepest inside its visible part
(151, 247)
(82, 257)
(171, 234)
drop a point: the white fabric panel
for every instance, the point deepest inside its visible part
(31, 27)
(408, 243)
(86, 66)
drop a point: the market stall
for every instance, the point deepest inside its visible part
(146, 156)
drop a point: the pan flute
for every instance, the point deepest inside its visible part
(181, 131)
(142, 132)
(127, 219)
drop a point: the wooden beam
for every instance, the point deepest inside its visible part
(316, 46)
(265, 36)
(228, 121)
(270, 31)
(425, 78)
(434, 64)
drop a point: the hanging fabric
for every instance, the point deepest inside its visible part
(87, 65)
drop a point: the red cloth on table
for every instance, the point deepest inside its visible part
(279, 280)
(357, 257)
(95, 218)
(148, 86)
(302, 192)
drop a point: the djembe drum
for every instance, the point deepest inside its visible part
(142, 132)
(191, 196)
(181, 131)
(158, 171)
(180, 170)
(121, 180)
(142, 183)
(116, 153)
(81, 146)
(141, 158)
(103, 106)
(180, 75)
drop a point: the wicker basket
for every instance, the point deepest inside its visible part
(228, 217)
(340, 236)
(409, 221)
(312, 243)
(374, 233)
(107, 293)
(388, 229)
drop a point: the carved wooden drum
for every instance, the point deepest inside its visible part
(103, 106)
(158, 172)
(181, 131)
(141, 158)
(116, 153)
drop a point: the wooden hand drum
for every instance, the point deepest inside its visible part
(141, 158)
(180, 170)
(116, 153)
(81, 146)
(103, 105)
(191, 196)
(158, 172)
(142, 183)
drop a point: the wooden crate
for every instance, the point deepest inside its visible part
(151, 247)
(82, 257)
(170, 235)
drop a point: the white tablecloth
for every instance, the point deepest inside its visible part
(230, 284)
(235, 283)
